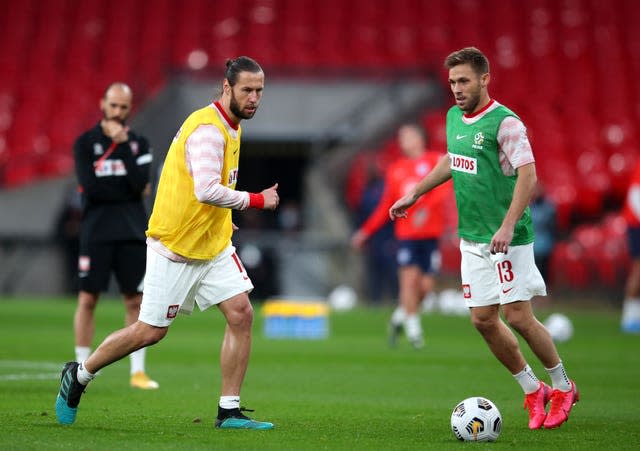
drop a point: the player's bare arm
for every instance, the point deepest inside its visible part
(522, 194)
(440, 174)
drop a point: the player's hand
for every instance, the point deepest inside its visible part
(501, 240)
(399, 208)
(234, 227)
(118, 132)
(271, 198)
(358, 240)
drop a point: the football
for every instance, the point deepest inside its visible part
(343, 298)
(476, 419)
(560, 327)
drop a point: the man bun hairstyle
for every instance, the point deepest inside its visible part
(468, 55)
(237, 65)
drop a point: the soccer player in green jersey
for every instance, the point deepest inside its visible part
(494, 177)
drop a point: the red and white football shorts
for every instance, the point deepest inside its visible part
(489, 279)
(171, 287)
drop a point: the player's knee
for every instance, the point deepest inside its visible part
(526, 326)
(242, 316)
(484, 323)
(132, 299)
(87, 300)
(517, 319)
(133, 309)
(155, 336)
(148, 335)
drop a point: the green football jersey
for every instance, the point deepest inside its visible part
(483, 192)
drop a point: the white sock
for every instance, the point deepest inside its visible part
(398, 316)
(84, 376)
(413, 326)
(559, 377)
(82, 353)
(527, 380)
(631, 309)
(230, 402)
(137, 360)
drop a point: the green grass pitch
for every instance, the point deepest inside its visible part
(348, 392)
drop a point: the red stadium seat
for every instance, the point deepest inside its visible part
(567, 268)
(620, 164)
(563, 53)
(435, 124)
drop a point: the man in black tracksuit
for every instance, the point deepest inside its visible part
(113, 166)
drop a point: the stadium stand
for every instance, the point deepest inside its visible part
(566, 67)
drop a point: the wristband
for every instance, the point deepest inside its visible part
(256, 200)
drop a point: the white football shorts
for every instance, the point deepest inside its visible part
(171, 287)
(489, 279)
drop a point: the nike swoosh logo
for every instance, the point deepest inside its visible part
(506, 291)
(460, 136)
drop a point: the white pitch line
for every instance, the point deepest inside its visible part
(31, 364)
(18, 366)
(29, 377)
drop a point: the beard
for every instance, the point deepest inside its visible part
(473, 101)
(235, 108)
(113, 118)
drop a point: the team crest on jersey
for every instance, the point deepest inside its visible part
(172, 311)
(478, 139)
(134, 147)
(466, 291)
(98, 149)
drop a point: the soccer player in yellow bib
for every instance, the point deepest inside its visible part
(190, 256)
